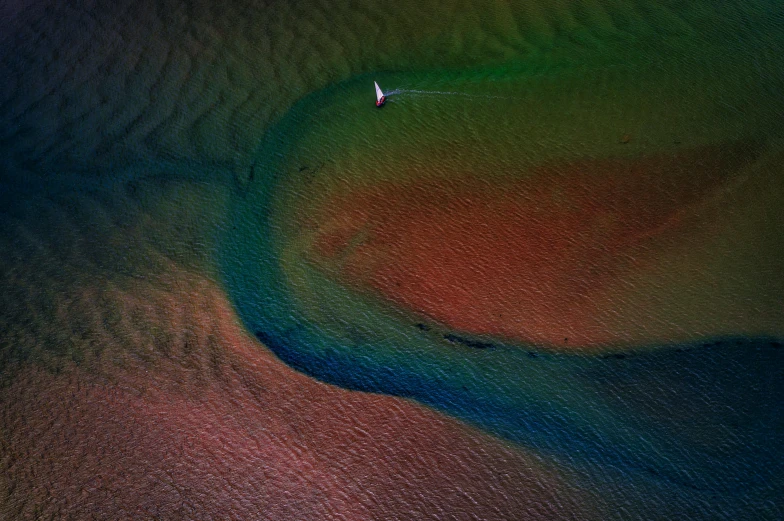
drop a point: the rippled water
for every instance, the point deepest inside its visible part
(562, 230)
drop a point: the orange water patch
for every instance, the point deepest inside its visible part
(524, 259)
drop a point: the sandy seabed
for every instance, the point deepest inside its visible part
(129, 387)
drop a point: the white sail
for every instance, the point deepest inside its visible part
(379, 94)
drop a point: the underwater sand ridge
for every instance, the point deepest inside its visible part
(470, 255)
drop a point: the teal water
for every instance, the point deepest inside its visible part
(695, 417)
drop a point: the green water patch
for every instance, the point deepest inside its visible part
(666, 412)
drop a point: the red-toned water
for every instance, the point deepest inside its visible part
(527, 259)
(239, 435)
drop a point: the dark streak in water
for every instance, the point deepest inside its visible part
(539, 424)
(267, 340)
(467, 342)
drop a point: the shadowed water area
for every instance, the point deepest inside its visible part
(543, 281)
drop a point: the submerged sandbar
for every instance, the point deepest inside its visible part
(531, 258)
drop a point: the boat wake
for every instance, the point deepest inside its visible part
(445, 93)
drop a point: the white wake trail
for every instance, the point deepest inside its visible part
(446, 93)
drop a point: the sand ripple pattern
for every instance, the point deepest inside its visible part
(128, 388)
(90, 89)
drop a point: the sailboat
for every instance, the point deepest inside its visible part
(380, 98)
